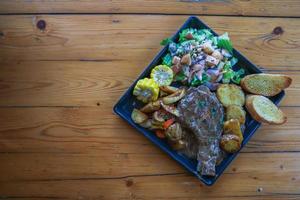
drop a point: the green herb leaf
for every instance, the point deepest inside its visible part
(236, 78)
(167, 60)
(195, 81)
(225, 80)
(182, 35)
(224, 42)
(165, 42)
(179, 77)
(205, 78)
(207, 33)
(198, 37)
(227, 66)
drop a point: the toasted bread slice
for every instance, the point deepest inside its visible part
(265, 84)
(236, 112)
(230, 94)
(264, 110)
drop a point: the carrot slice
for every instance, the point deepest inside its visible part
(160, 133)
(168, 123)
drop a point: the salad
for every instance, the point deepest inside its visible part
(199, 58)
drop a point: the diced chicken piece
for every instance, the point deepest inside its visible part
(211, 61)
(186, 60)
(217, 54)
(208, 48)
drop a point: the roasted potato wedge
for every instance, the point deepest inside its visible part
(174, 97)
(171, 109)
(236, 112)
(146, 124)
(233, 127)
(230, 143)
(156, 126)
(162, 93)
(230, 94)
(138, 117)
(160, 116)
(157, 123)
(168, 89)
(151, 107)
(174, 132)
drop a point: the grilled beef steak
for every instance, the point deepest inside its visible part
(202, 114)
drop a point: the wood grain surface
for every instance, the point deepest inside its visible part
(286, 8)
(268, 42)
(62, 71)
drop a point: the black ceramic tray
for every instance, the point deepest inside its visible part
(127, 102)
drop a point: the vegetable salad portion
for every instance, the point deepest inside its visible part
(199, 58)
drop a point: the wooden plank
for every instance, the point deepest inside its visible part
(189, 7)
(96, 130)
(75, 83)
(251, 177)
(91, 153)
(268, 42)
(156, 187)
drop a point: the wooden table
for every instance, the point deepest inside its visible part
(64, 64)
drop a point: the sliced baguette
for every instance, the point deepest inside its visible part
(265, 84)
(264, 110)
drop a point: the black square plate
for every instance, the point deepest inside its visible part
(127, 102)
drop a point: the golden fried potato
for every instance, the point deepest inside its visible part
(174, 132)
(171, 109)
(162, 93)
(168, 89)
(236, 112)
(138, 117)
(146, 124)
(156, 127)
(160, 116)
(230, 143)
(174, 97)
(233, 127)
(230, 94)
(151, 107)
